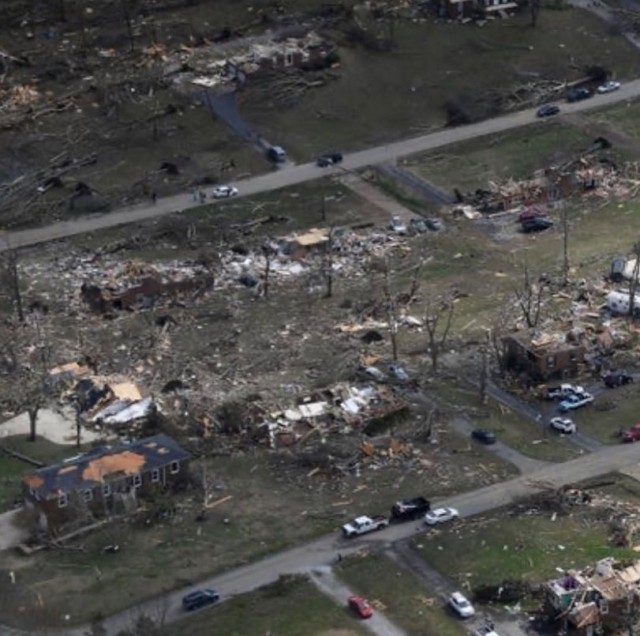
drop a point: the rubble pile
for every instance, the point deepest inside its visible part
(107, 286)
(338, 409)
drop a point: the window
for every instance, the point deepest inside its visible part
(551, 362)
(604, 607)
(174, 467)
(87, 495)
(155, 475)
(137, 481)
(62, 500)
(106, 490)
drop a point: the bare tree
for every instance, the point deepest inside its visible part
(633, 283)
(483, 370)
(565, 247)
(391, 307)
(10, 280)
(529, 297)
(268, 254)
(438, 317)
(534, 8)
(328, 264)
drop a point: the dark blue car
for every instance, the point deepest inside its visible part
(199, 598)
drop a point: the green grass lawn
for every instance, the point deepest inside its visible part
(406, 602)
(291, 607)
(516, 154)
(611, 411)
(622, 117)
(489, 550)
(12, 469)
(440, 62)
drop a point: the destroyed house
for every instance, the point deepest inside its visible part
(587, 601)
(105, 480)
(543, 357)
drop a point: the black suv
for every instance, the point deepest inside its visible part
(615, 379)
(536, 224)
(578, 94)
(484, 436)
(329, 159)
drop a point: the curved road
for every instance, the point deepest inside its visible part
(293, 175)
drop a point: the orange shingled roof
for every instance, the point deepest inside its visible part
(33, 481)
(126, 462)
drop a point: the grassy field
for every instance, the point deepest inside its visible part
(516, 154)
(489, 550)
(622, 117)
(515, 431)
(11, 469)
(406, 602)
(432, 64)
(290, 607)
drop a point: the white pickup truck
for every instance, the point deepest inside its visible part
(362, 525)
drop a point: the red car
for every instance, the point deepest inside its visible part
(360, 606)
(632, 434)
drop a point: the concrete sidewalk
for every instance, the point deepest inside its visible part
(11, 534)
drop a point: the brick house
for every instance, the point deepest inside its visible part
(105, 480)
(543, 358)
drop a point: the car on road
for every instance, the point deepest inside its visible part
(547, 110)
(398, 225)
(536, 224)
(563, 391)
(461, 606)
(199, 598)
(409, 509)
(360, 606)
(575, 401)
(563, 425)
(578, 94)
(440, 515)
(608, 87)
(329, 159)
(615, 379)
(277, 154)
(484, 436)
(225, 192)
(631, 434)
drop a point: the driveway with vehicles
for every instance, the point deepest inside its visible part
(328, 584)
(294, 175)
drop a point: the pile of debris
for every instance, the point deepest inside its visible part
(107, 286)
(338, 409)
(114, 405)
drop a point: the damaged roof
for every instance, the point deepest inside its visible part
(104, 464)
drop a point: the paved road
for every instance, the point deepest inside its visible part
(328, 584)
(323, 552)
(294, 175)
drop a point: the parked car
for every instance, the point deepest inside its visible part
(563, 425)
(618, 265)
(224, 192)
(563, 391)
(615, 379)
(398, 225)
(276, 154)
(360, 606)
(608, 87)
(199, 598)
(532, 212)
(486, 630)
(536, 224)
(575, 401)
(440, 515)
(434, 224)
(371, 373)
(398, 372)
(484, 436)
(409, 509)
(547, 110)
(631, 434)
(461, 606)
(364, 525)
(329, 159)
(578, 94)
(418, 226)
